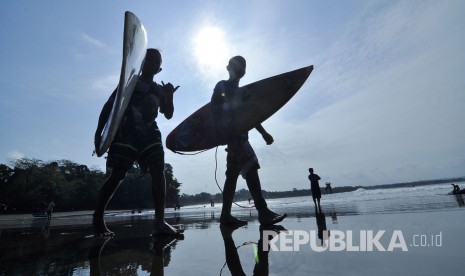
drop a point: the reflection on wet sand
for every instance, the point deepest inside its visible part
(68, 251)
(323, 232)
(46, 229)
(460, 200)
(95, 255)
(66, 245)
(333, 215)
(159, 247)
(261, 256)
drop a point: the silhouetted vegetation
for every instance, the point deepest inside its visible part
(30, 184)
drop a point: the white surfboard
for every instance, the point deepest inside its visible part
(134, 49)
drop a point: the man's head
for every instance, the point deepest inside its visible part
(152, 62)
(236, 67)
(310, 170)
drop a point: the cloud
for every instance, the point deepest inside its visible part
(395, 107)
(380, 39)
(104, 84)
(383, 105)
(93, 41)
(14, 155)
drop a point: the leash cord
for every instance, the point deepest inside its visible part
(216, 180)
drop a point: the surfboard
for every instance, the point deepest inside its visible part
(256, 102)
(134, 49)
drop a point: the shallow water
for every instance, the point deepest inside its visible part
(66, 248)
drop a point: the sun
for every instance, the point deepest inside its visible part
(211, 50)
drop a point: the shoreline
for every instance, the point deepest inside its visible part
(59, 250)
(66, 243)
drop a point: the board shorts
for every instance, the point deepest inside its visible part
(241, 157)
(145, 147)
(316, 191)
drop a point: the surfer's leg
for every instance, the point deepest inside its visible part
(151, 155)
(158, 190)
(117, 175)
(253, 183)
(265, 215)
(157, 171)
(233, 168)
(229, 190)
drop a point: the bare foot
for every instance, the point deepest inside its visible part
(267, 217)
(100, 228)
(164, 229)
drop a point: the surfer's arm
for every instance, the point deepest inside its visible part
(266, 136)
(167, 105)
(104, 114)
(217, 101)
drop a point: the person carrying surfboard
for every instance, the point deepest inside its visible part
(138, 139)
(241, 158)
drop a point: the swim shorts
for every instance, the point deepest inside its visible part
(241, 157)
(145, 147)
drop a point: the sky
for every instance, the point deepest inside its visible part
(384, 104)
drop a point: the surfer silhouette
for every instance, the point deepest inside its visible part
(50, 207)
(138, 139)
(241, 158)
(456, 189)
(315, 186)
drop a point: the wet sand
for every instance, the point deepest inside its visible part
(78, 218)
(66, 244)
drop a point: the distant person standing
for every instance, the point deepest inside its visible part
(328, 188)
(315, 186)
(50, 207)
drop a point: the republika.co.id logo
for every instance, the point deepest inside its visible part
(336, 240)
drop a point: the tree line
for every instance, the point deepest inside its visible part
(244, 195)
(29, 184)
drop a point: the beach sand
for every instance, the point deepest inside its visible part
(433, 238)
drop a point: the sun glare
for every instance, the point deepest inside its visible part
(211, 50)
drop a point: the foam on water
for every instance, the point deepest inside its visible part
(408, 199)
